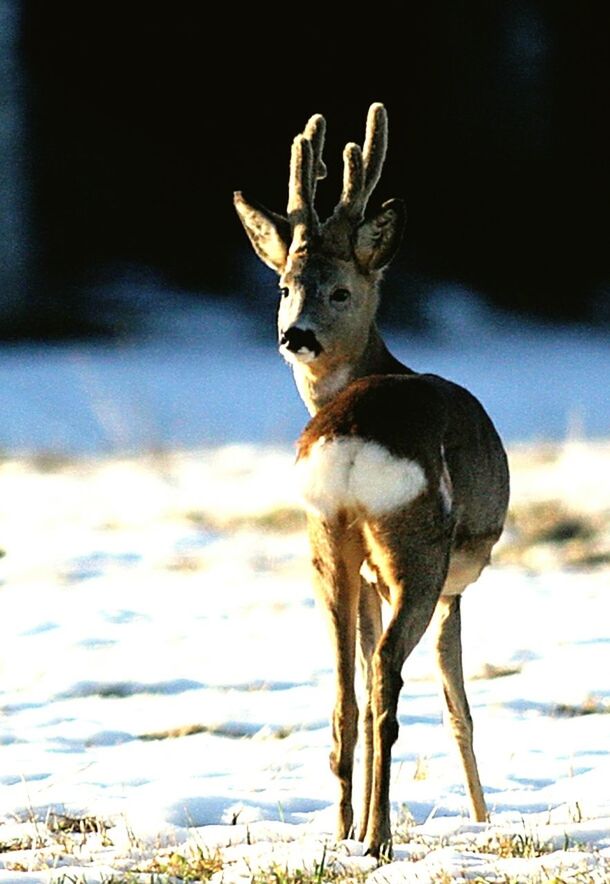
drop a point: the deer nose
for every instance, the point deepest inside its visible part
(296, 339)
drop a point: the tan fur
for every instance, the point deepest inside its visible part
(404, 476)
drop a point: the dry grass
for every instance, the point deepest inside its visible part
(196, 865)
(515, 845)
(71, 837)
(549, 532)
(491, 671)
(188, 730)
(283, 520)
(592, 705)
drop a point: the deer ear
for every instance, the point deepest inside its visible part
(378, 238)
(269, 233)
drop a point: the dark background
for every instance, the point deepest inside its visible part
(141, 119)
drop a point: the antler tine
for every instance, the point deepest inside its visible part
(375, 147)
(300, 202)
(315, 132)
(362, 168)
(306, 168)
(353, 178)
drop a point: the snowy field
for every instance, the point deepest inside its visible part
(165, 681)
(208, 376)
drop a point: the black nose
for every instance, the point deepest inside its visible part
(295, 339)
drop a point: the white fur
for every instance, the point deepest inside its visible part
(367, 572)
(303, 354)
(327, 387)
(349, 473)
(446, 486)
(333, 382)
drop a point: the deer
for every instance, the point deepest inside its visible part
(403, 475)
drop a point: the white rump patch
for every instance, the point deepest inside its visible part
(349, 473)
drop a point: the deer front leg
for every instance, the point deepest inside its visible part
(369, 632)
(344, 736)
(447, 622)
(337, 556)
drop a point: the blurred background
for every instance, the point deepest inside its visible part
(126, 127)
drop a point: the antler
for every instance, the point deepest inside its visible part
(306, 169)
(362, 168)
(343, 235)
(361, 172)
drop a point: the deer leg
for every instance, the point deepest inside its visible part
(337, 556)
(447, 623)
(369, 632)
(406, 628)
(413, 563)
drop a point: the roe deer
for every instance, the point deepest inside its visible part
(403, 474)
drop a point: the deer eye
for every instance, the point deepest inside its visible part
(284, 291)
(340, 296)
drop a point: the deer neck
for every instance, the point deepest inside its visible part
(319, 384)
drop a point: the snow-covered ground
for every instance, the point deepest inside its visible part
(164, 671)
(165, 683)
(205, 375)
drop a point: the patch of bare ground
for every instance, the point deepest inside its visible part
(546, 533)
(559, 515)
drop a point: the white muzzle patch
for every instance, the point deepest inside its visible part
(352, 473)
(303, 355)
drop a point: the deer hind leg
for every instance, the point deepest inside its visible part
(413, 560)
(369, 633)
(447, 622)
(337, 553)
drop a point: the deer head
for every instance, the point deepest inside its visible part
(328, 272)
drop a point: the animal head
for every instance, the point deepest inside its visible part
(328, 272)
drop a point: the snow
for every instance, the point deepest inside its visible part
(209, 377)
(165, 681)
